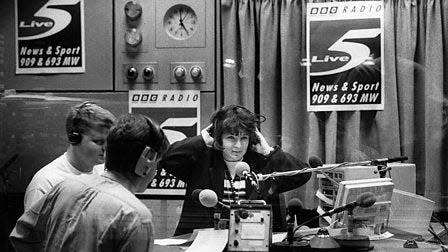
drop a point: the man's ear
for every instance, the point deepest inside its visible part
(146, 162)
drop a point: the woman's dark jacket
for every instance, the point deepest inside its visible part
(204, 168)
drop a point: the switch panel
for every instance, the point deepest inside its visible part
(178, 35)
(188, 72)
(142, 73)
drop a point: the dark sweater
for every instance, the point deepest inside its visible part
(204, 168)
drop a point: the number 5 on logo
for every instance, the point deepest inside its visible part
(174, 135)
(358, 52)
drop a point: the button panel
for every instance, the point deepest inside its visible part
(188, 72)
(146, 73)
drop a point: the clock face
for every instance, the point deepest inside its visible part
(180, 22)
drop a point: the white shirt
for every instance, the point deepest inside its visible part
(86, 213)
(49, 176)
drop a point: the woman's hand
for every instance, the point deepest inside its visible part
(206, 137)
(262, 147)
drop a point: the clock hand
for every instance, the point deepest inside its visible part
(182, 24)
(186, 14)
(180, 16)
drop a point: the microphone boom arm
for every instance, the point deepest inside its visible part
(262, 177)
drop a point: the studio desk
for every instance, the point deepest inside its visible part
(394, 243)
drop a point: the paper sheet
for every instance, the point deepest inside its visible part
(179, 239)
(170, 241)
(210, 241)
(278, 237)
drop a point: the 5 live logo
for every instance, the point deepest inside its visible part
(52, 17)
(342, 45)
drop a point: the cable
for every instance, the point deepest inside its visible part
(431, 230)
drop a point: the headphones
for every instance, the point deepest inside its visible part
(147, 162)
(74, 137)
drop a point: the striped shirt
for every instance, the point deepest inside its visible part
(234, 190)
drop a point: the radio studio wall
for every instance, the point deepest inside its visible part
(23, 117)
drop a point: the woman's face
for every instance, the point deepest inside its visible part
(234, 146)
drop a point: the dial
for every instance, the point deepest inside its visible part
(133, 10)
(179, 73)
(148, 73)
(195, 72)
(180, 22)
(133, 37)
(132, 73)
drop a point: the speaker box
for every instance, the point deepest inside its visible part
(250, 227)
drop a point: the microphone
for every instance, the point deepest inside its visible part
(366, 199)
(207, 198)
(315, 162)
(243, 170)
(293, 208)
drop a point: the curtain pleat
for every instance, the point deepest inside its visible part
(269, 74)
(293, 74)
(433, 85)
(266, 40)
(402, 18)
(444, 151)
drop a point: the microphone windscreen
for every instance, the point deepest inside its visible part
(315, 162)
(294, 206)
(241, 167)
(195, 195)
(208, 198)
(366, 199)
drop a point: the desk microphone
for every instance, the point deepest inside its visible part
(364, 200)
(207, 198)
(293, 208)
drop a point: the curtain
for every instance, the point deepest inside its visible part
(263, 43)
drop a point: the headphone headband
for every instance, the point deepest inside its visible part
(219, 116)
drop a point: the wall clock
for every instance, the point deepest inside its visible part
(180, 23)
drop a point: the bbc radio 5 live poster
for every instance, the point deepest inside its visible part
(49, 36)
(178, 113)
(344, 56)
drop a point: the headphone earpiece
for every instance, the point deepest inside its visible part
(146, 162)
(74, 138)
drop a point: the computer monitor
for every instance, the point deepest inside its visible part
(372, 218)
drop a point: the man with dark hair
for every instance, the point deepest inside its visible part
(100, 213)
(87, 125)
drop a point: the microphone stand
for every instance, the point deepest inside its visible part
(382, 168)
(257, 183)
(350, 241)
